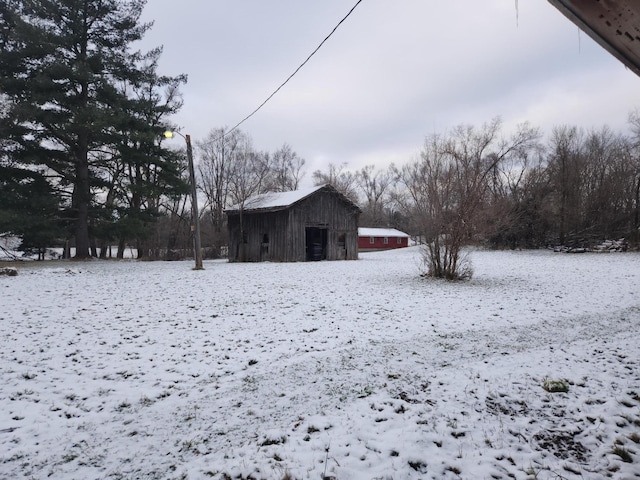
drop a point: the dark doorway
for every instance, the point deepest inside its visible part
(316, 239)
(264, 248)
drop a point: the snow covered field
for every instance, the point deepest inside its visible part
(349, 370)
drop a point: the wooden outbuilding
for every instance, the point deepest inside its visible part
(318, 223)
(376, 239)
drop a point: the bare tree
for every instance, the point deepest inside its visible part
(521, 216)
(449, 185)
(248, 178)
(286, 170)
(231, 170)
(634, 121)
(249, 175)
(218, 153)
(375, 186)
(565, 165)
(340, 178)
(606, 183)
(413, 199)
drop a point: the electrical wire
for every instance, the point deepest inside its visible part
(293, 74)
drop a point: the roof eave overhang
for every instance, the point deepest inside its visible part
(278, 208)
(613, 24)
(248, 211)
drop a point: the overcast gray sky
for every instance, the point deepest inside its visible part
(395, 71)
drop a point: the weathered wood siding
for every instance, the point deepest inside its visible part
(326, 210)
(265, 236)
(281, 236)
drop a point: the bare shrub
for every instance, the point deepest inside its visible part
(449, 190)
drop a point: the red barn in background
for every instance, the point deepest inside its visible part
(374, 239)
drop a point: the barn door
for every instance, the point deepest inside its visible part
(316, 243)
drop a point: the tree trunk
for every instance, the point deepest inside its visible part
(103, 249)
(636, 220)
(94, 247)
(121, 247)
(563, 200)
(82, 198)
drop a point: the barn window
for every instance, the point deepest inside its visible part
(265, 238)
(372, 240)
(386, 240)
(341, 239)
(399, 241)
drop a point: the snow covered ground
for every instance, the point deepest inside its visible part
(348, 370)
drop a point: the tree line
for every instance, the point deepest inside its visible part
(471, 185)
(83, 161)
(475, 185)
(575, 188)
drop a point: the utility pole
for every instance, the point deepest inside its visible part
(195, 227)
(194, 207)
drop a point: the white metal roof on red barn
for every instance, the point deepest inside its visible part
(381, 232)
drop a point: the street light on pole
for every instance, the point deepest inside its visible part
(195, 228)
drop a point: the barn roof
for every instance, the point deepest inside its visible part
(381, 232)
(273, 201)
(614, 24)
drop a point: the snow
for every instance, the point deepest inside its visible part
(351, 370)
(275, 199)
(380, 232)
(9, 245)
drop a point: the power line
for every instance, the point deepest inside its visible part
(293, 74)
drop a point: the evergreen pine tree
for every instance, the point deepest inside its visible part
(68, 72)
